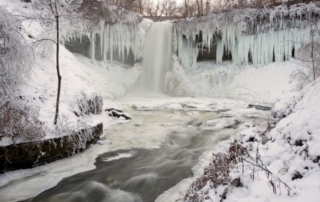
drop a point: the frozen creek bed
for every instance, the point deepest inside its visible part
(154, 157)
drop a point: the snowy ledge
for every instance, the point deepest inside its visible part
(32, 154)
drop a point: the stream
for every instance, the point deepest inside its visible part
(152, 153)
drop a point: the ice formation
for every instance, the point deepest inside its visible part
(246, 36)
(116, 41)
(114, 34)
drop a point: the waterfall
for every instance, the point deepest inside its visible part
(156, 58)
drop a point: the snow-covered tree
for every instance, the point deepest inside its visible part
(15, 59)
(59, 18)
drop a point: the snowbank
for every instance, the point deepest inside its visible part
(283, 164)
(258, 85)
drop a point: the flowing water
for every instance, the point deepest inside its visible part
(132, 171)
(142, 177)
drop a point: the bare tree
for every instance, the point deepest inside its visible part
(57, 15)
(308, 57)
(140, 5)
(199, 8)
(170, 8)
(149, 10)
(186, 8)
(130, 5)
(17, 120)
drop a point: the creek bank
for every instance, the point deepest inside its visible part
(31, 154)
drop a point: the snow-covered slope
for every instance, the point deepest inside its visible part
(284, 163)
(111, 79)
(40, 88)
(258, 85)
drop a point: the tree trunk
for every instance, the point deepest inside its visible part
(185, 3)
(199, 13)
(58, 70)
(140, 6)
(312, 56)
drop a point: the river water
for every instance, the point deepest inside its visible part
(155, 151)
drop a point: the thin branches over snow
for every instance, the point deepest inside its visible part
(217, 175)
(59, 18)
(308, 57)
(15, 60)
(17, 120)
(20, 122)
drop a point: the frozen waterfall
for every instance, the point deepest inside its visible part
(156, 58)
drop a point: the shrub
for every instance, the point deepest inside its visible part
(20, 122)
(217, 174)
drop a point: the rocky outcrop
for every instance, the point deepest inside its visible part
(32, 154)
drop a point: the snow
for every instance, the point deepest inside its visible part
(214, 85)
(292, 147)
(112, 80)
(40, 88)
(257, 85)
(22, 184)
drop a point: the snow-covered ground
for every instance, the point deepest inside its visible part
(40, 88)
(111, 79)
(291, 155)
(252, 84)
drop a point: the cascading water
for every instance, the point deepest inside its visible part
(156, 58)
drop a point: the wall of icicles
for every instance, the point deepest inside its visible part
(120, 42)
(114, 42)
(246, 36)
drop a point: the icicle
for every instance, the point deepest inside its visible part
(93, 46)
(102, 24)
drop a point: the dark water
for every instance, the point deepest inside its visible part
(142, 177)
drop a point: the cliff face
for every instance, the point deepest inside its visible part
(111, 35)
(254, 21)
(246, 36)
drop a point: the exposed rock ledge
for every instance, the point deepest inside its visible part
(29, 155)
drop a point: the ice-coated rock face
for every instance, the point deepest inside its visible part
(257, 36)
(112, 33)
(121, 42)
